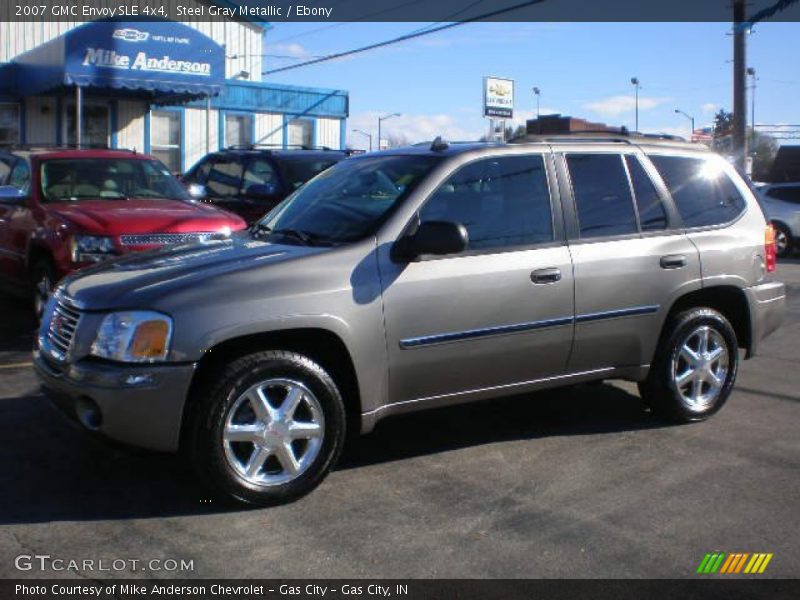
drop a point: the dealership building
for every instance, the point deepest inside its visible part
(176, 90)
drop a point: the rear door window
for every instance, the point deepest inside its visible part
(602, 195)
(652, 215)
(703, 192)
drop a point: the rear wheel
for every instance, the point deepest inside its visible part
(270, 429)
(783, 240)
(695, 367)
(43, 279)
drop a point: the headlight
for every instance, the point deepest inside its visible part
(91, 248)
(134, 336)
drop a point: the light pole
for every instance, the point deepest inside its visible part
(636, 86)
(690, 117)
(537, 92)
(369, 135)
(381, 120)
(752, 72)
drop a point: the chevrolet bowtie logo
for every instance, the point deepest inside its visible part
(734, 562)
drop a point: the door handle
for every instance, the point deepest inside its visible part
(673, 261)
(550, 275)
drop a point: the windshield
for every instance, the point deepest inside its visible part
(74, 179)
(348, 201)
(298, 171)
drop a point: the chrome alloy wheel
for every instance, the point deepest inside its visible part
(700, 368)
(273, 432)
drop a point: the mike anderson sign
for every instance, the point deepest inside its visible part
(100, 57)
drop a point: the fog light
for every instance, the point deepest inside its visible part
(88, 413)
(139, 379)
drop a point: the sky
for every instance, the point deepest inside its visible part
(582, 69)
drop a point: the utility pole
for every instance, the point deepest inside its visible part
(739, 83)
(636, 86)
(752, 72)
(537, 92)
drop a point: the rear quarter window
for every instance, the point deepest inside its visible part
(703, 192)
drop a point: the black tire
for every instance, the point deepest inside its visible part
(42, 276)
(788, 246)
(207, 422)
(662, 392)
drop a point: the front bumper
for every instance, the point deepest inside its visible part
(141, 405)
(767, 310)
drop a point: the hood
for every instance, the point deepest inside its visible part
(117, 217)
(140, 279)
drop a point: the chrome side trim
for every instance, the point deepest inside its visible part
(612, 314)
(477, 333)
(457, 336)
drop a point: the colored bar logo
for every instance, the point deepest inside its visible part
(734, 563)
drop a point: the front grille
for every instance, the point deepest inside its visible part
(62, 328)
(168, 239)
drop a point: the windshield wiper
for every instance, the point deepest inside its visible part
(298, 234)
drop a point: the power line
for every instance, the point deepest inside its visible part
(404, 38)
(362, 18)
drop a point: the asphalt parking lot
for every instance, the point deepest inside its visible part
(579, 482)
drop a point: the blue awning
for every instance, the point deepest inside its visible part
(162, 59)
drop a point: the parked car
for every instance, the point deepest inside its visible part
(62, 209)
(252, 180)
(418, 278)
(781, 204)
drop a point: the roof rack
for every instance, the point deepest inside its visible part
(278, 147)
(622, 137)
(33, 147)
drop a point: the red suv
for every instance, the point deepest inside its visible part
(64, 209)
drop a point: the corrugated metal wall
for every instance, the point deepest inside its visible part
(269, 128)
(195, 135)
(241, 40)
(130, 124)
(329, 133)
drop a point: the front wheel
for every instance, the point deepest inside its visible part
(43, 279)
(695, 367)
(270, 428)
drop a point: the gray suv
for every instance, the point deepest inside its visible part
(418, 278)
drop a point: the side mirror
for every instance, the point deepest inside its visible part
(262, 190)
(11, 195)
(432, 237)
(197, 191)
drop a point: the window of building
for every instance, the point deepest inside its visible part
(602, 195)
(238, 130)
(95, 125)
(652, 215)
(703, 192)
(502, 201)
(300, 133)
(165, 138)
(9, 124)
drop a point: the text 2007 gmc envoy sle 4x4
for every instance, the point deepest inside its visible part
(416, 278)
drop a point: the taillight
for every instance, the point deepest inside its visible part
(770, 248)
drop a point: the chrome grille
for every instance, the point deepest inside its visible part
(168, 239)
(62, 327)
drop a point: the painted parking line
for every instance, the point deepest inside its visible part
(19, 365)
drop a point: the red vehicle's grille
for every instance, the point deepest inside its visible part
(168, 239)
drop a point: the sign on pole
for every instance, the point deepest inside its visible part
(498, 97)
